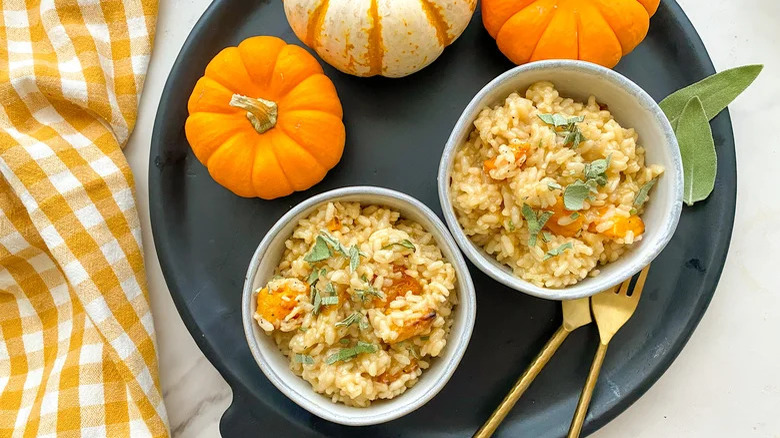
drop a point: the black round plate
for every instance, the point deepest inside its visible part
(396, 130)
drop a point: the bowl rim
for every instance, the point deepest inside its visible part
(317, 403)
(639, 259)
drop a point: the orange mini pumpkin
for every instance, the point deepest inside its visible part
(599, 31)
(265, 120)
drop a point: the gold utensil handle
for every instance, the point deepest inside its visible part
(522, 384)
(587, 393)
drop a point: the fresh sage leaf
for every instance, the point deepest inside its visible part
(354, 258)
(334, 243)
(406, 243)
(697, 150)
(575, 195)
(304, 359)
(597, 170)
(344, 341)
(535, 222)
(330, 289)
(368, 292)
(641, 196)
(353, 318)
(558, 251)
(317, 302)
(546, 236)
(319, 252)
(554, 186)
(348, 353)
(330, 301)
(715, 92)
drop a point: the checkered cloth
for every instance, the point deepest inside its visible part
(77, 346)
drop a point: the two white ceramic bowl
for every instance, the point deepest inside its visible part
(630, 106)
(276, 366)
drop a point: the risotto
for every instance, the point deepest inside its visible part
(551, 187)
(360, 303)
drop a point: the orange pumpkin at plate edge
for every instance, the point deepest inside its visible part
(265, 120)
(598, 31)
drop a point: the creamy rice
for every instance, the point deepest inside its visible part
(514, 157)
(363, 334)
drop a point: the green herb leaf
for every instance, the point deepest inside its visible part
(574, 215)
(354, 258)
(641, 196)
(554, 186)
(319, 251)
(353, 318)
(368, 292)
(313, 292)
(546, 236)
(330, 301)
(348, 353)
(330, 289)
(317, 301)
(406, 243)
(511, 225)
(424, 338)
(344, 341)
(558, 120)
(304, 359)
(597, 170)
(413, 352)
(715, 92)
(575, 195)
(632, 211)
(697, 149)
(573, 137)
(558, 251)
(334, 243)
(303, 329)
(535, 223)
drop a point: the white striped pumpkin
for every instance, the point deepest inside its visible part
(391, 38)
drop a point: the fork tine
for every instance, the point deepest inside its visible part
(624, 288)
(640, 283)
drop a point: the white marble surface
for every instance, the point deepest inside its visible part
(726, 382)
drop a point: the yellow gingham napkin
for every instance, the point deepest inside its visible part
(77, 348)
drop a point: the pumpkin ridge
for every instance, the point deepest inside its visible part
(375, 48)
(436, 20)
(271, 70)
(316, 20)
(519, 11)
(303, 148)
(274, 145)
(289, 188)
(546, 25)
(281, 128)
(610, 29)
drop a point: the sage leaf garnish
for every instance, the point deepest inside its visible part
(715, 92)
(575, 195)
(558, 251)
(406, 243)
(511, 225)
(317, 301)
(554, 186)
(330, 289)
(353, 318)
(303, 329)
(354, 258)
(597, 170)
(330, 301)
(303, 359)
(546, 236)
(348, 353)
(368, 292)
(697, 150)
(344, 341)
(535, 222)
(573, 136)
(319, 252)
(574, 215)
(334, 243)
(641, 196)
(316, 275)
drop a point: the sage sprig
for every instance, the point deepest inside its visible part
(689, 110)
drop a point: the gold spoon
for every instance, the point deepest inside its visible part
(576, 313)
(611, 309)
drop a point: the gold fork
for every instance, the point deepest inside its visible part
(576, 313)
(611, 309)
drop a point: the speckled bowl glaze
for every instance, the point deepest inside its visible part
(632, 107)
(276, 366)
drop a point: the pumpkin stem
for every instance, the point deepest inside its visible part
(260, 112)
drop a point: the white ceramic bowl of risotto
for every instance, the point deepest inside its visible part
(631, 107)
(276, 366)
